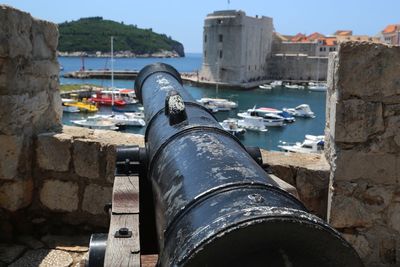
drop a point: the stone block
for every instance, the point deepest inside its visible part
(9, 253)
(359, 243)
(356, 120)
(368, 70)
(16, 195)
(45, 39)
(10, 152)
(95, 198)
(349, 212)
(59, 195)
(44, 258)
(53, 151)
(353, 165)
(394, 216)
(86, 157)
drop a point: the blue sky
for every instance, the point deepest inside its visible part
(183, 20)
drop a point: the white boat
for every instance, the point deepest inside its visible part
(265, 110)
(221, 103)
(265, 86)
(252, 123)
(312, 144)
(294, 86)
(138, 115)
(302, 110)
(96, 123)
(123, 119)
(269, 119)
(276, 83)
(231, 126)
(318, 87)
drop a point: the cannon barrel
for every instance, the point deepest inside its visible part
(214, 205)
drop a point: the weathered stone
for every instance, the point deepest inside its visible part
(9, 253)
(360, 244)
(356, 120)
(86, 158)
(60, 196)
(11, 148)
(95, 197)
(394, 216)
(45, 39)
(348, 212)
(53, 151)
(366, 166)
(391, 110)
(68, 243)
(16, 195)
(313, 190)
(44, 258)
(368, 70)
(16, 25)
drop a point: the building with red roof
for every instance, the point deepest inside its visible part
(391, 34)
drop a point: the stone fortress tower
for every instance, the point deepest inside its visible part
(236, 47)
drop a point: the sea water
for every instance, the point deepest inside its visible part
(279, 98)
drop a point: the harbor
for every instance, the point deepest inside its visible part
(279, 97)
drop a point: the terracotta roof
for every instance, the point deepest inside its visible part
(299, 37)
(343, 33)
(391, 28)
(331, 41)
(315, 36)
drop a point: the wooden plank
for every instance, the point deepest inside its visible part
(123, 251)
(125, 195)
(149, 260)
(125, 214)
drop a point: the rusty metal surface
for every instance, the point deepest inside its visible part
(214, 205)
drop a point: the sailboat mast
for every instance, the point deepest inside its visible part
(112, 70)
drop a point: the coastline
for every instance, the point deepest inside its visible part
(120, 54)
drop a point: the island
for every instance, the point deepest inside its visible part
(91, 37)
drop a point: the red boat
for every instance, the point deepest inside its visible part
(105, 99)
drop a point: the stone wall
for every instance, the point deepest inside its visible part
(363, 134)
(29, 99)
(74, 173)
(297, 67)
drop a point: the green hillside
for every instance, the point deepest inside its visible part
(93, 34)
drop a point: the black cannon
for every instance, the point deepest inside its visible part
(214, 204)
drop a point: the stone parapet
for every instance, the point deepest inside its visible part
(308, 173)
(363, 149)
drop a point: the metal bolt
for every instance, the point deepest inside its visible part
(123, 231)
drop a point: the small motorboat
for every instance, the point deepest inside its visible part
(127, 95)
(312, 144)
(276, 83)
(294, 86)
(220, 103)
(269, 118)
(252, 123)
(302, 110)
(231, 126)
(265, 86)
(126, 119)
(71, 105)
(286, 116)
(96, 122)
(106, 99)
(318, 87)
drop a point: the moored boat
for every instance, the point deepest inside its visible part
(81, 106)
(96, 123)
(268, 118)
(220, 103)
(318, 87)
(302, 110)
(265, 86)
(231, 126)
(106, 99)
(252, 123)
(123, 119)
(311, 144)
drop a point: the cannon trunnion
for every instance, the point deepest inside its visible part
(214, 204)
